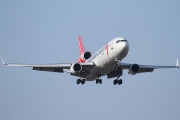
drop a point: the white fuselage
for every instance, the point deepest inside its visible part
(107, 58)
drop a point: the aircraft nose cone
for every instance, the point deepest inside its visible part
(122, 49)
(126, 46)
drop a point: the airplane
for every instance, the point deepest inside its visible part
(106, 61)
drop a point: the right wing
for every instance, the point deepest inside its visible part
(87, 66)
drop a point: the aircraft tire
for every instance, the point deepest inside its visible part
(83, 81)
(115, 81)
(97, 81)
(78, 81)
(120, 82)
(100, 81)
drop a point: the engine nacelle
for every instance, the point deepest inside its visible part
(84, 56)
(75, 68)
(134, 69)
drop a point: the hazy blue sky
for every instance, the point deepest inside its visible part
(43, 31)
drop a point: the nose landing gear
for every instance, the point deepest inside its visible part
(98, 81)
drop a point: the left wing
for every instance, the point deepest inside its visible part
(86, 66)
(117, 71)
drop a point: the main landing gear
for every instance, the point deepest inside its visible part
(98, 81)
(82, 81)
(117, 81)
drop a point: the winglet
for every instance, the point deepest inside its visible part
(3, 61)
(177, 63)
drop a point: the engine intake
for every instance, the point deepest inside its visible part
(134, 69)
(84, 56)
(75, 68)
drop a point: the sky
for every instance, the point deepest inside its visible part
(46, 31)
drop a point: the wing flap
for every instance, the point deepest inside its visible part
(48, 69)
(114, 74)
(87, 66)
(146, 70)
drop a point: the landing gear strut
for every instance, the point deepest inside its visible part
(82, 81)
(117, 81)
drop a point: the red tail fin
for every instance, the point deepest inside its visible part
(83, 55)
(81, 47)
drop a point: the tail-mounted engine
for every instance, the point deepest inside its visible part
(75, 68)
(84, 56)
(134, 69)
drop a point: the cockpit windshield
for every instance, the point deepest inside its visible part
(121, 41)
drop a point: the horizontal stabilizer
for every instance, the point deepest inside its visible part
(3, 61)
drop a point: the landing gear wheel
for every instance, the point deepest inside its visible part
(97, 81)
(115, 81)
(78, 81)
(120, 82)
(83, 81)
(100, 81)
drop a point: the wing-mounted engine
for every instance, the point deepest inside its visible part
(134, 69)
(84, 56)
(75, 68)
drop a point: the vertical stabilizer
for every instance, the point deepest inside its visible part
(81, 46)
(83, 54)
